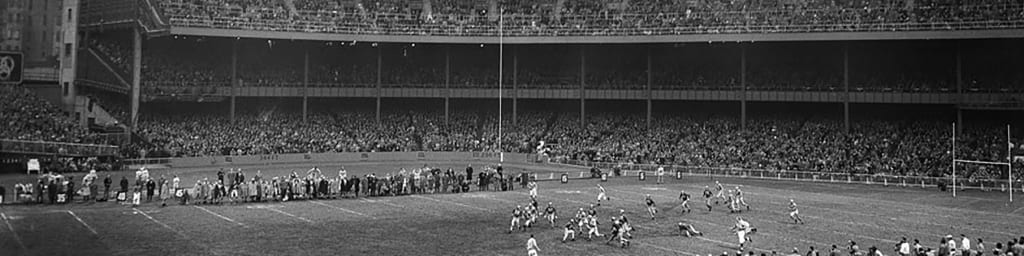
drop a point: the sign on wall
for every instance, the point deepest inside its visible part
(11, 67)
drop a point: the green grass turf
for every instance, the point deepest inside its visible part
(476, 223)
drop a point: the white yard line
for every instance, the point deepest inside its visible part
(453, 203)
(343, 209)
(83, 223)
(288, 214)
(15, 233)
(220, 216)
(182, 235)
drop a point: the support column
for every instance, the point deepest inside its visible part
(379, 59)
(136, 77)
(305, 86)
(447, 81)
(234, 77)
(583, 78)
(846, 88)
(650, 79)
(743, 87)
(515, 84)
(959, 90)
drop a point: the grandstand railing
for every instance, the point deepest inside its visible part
(766, 21)
(56, 148)
(829, 177)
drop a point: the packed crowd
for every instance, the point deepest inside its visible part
(771, 143)
(539, 18)
(27, 117)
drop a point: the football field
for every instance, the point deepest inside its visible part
(476, 223)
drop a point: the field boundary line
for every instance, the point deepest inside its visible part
(453, 203)
(288, 214)
(83, 223)
(343, 209)
(220, 216)
(15, 233)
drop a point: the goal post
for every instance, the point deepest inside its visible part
(1008, 164)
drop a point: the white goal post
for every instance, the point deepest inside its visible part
(1008, 163)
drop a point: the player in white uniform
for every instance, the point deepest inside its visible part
(531, 246)
(719, 192)
(794, 213)
(601, 195)
(661, 174)
(592, 225)
(739, 198)
(688, 229)
(742, 229)
(533, 189)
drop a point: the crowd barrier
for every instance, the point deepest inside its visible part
(847, 178)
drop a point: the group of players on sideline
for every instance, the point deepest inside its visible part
(585, 219)
(232, 186)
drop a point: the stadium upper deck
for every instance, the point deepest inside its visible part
(589, 21)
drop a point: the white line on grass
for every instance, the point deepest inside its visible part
(343, 209)
(288, 214)
(182, 235)
(220, 216)
(17, 238)
(450, 202)
(403, 207)
(83, 223)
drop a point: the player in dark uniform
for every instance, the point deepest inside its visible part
(686, 198)
(569, 230)
(550, 214)
(651, 209)
(516, 215)
(707, 197)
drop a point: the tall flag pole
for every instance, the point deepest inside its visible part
(501, 69)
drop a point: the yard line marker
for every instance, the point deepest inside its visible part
(343, 209)
(665, 249)
(220, 216)
(16, 236)
(83, 223)
(288, 214)
(450, 202)
(179, 233)
(182, 235)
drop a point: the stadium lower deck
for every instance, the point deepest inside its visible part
(476, 223)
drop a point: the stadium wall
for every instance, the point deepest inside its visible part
(631, 39)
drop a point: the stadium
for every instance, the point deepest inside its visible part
(458, 127)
